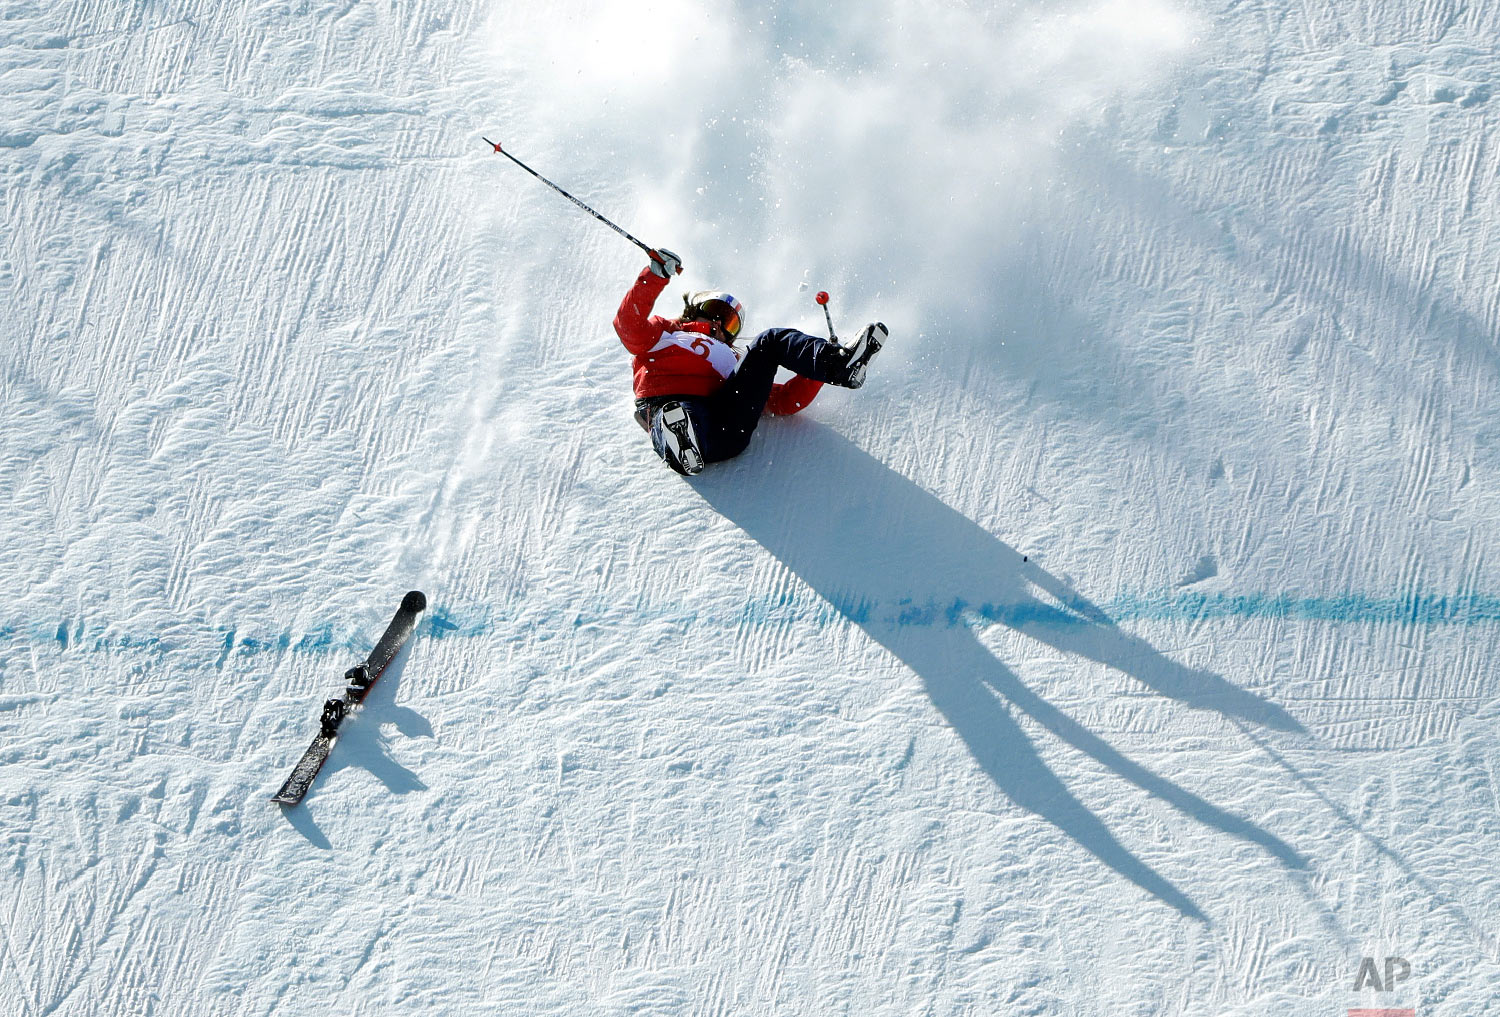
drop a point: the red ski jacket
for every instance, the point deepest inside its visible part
(681, 358)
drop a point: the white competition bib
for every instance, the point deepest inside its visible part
(720, 356)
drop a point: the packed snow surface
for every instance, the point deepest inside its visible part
(1127, 645)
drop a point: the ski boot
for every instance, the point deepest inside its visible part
(862, 352)
(674, 439)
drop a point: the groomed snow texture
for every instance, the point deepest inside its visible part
(1126, 646)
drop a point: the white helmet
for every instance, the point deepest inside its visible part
(715, 306)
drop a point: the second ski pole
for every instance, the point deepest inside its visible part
(822, 299)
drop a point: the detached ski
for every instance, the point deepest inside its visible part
(359, 679)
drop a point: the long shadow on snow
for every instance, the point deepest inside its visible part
(917, 576)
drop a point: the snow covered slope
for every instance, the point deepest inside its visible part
(1125, 646)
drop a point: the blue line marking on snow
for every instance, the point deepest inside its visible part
(68, 636)
(1412, 609)
(1423, 610)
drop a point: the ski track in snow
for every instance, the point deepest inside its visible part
(1125, 646)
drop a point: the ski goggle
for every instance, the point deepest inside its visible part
(724, 313)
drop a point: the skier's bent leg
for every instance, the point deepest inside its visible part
(819, 359)
(740, 401)
(732, 413)
(674, 434)
(690, 432)
(808, 355)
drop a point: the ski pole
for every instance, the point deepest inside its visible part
(822, 298)
(649, 252)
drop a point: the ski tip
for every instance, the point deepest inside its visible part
(414, 602)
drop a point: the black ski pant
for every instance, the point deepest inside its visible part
(725, 420)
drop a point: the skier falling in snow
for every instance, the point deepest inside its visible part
(699, 395)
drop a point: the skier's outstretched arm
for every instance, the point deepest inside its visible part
(633, 320)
